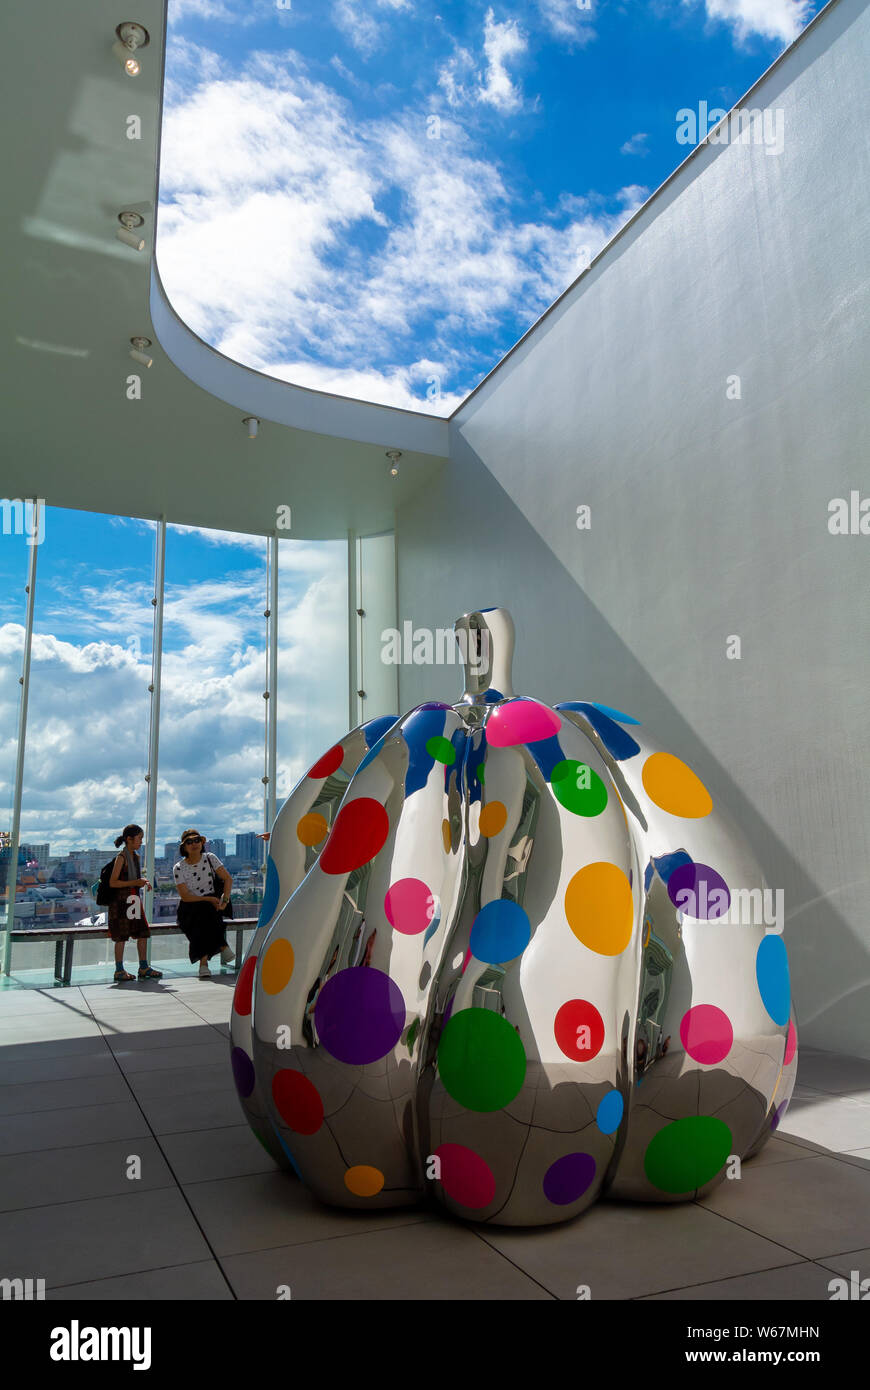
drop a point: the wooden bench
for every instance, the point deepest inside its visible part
(66, 937)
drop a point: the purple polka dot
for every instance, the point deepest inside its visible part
(359, 1015)
(568, 1178)
(698, 890)
(778, 1114)
(243, 1071)
(433, 704)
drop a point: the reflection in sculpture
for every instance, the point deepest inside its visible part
(510, 956)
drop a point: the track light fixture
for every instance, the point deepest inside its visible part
(130, 36)
(253, 425)
(394, 455)
(138, 353)
(127, 231)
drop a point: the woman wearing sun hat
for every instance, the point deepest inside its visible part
(204, 889)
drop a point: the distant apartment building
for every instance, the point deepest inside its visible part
(89, 861)
(218, 847)
(38, 853)
(249, 848)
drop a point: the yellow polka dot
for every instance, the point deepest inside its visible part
(277, 966)
(493, 818)
(445, 835)
(312, 828)
(364, 1181)
(674, 787)
(600, 909)
(646, 934)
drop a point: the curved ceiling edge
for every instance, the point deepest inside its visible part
(281, 403)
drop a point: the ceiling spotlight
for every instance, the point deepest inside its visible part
(127, 233)
(138, 353)
(130, 37)
(253, 425)
(394, 455)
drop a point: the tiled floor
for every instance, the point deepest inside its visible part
(91, 1076)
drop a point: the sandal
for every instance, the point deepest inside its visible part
(122, 976)
(149, 974)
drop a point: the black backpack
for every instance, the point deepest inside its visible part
(104, 894)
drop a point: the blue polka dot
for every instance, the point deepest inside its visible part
(608, 1117)
(771, 971)
(373, 729)
(271, 893)
(614, 713)
(500, 932)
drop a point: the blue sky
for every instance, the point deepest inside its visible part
(379, 197)
(87, 735)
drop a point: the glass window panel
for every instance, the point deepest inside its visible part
(14, 565)
(312, 654)
(212, 712)
(87, 722)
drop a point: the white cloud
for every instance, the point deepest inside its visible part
(636, 144)
(462, 80)
(501, 43)
(88, 718)
(214, 10)
(566, 20)
(358, 20)
(273, 244)
(772, 19)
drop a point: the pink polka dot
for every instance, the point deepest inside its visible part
(409, 906)
(706, 1033)
(790, 1044)
(521, 721)
(465, 1177)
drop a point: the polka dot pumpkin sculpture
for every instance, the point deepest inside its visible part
(512, 957)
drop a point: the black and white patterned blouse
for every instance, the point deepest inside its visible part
(198, 877)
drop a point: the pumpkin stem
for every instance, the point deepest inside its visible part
(486, 646)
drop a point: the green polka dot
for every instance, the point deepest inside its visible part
(578, 788)
(441, 749)
(686, 1154)
(480, 771)
(481, 1060)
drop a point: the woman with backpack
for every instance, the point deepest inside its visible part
(204, 889)
(124, 909)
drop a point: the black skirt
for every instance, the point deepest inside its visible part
(203, 926)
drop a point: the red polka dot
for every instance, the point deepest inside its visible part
(579, 1030)
(706, 1034)
(360, 829)
(329, 763)
(465, 1177)
(790, 1044)
(245, 987)
(298, 1101)
(467, 959)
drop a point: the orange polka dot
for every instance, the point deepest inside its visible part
(674, 787)
(493, 818)
(600, 908)
(277, 966)
(364, 1181)
(445, 835)
(312, 828)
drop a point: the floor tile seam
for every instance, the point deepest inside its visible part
(168, 1162)
(729, 1278)
(838, 1254)
(316, 1240)
(132, 1273)
(495, 1250)
(751, 1230)
(162, 1186)
(61, 1109)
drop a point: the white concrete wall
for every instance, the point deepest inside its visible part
(709, 515)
